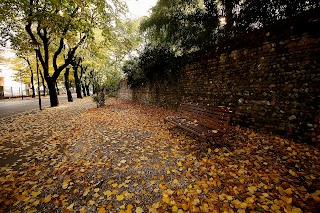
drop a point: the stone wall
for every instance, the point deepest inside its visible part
(125, 90)
(270, 78)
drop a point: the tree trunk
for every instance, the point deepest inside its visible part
(93, 89)
(32, 85)
(92, 82)
(87, 89)
(77, 82)
(52, 92)
(31, 77)
(43, 83)
(83, 90)
(66, 82)
(58, 91)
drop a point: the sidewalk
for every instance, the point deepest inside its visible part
(123, 158)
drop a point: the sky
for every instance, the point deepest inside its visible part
(139, 8)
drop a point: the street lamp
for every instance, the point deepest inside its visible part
(37, 48)
(21, 84)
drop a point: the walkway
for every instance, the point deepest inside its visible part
(123, 158)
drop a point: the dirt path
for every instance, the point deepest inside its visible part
(123, 158)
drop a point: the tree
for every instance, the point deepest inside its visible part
(59, 26)
(184, 26)
(191, 25)
(75, 65)
(259, 13)
(67, 84)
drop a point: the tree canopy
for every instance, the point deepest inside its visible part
(60, 28)
(190, 25)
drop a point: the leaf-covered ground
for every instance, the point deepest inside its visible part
(124, 158)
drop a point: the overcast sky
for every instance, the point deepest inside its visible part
(139, 8)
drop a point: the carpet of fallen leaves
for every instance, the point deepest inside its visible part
(124, 158)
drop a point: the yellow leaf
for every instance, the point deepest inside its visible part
(96, 189)
(288, 200)
(195, 201)
(139, 210)
(288, 191)
(35, 203)
(166, 200)
(236, 203)
(129, 208)
(175, 182)
(152, 210)
(243, 205)
(316, 195)
(120, 197)
(47, 199)
(250, 200)
(296, 210)
(110, 181)
(86, 192)
(216, 150)
(292, 173)
(108, 193)
(91, 202)
(184, 206)
(174, 208)
(229, 197)
(35, 194)
(252, 189)
(83, 210)
(102, 210)
(70, 207)
(179, 163)
(75, 191)
(170, 192)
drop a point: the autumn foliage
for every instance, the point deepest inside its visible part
(124, 158)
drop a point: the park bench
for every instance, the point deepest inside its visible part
(205, 121)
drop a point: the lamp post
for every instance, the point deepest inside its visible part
(36, 48)
(21, 84)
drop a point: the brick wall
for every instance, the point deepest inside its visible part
(270, 78)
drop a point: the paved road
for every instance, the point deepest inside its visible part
(13, 106)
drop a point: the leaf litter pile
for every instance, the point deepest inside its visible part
(124, 158)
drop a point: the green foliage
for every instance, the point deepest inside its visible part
(134, 72)
(105, 84)
(258, 13)
(154, 61)
(190, 25)
(183, 25)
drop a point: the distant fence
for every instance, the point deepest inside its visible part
(12, 92)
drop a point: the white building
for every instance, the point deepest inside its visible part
(8, 86)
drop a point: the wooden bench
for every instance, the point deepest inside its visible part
(205, 121)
